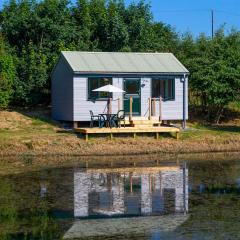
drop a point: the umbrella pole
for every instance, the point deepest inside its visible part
(109, 106)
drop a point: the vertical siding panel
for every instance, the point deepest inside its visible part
(173, 110)
(62, 91)
(145, 94)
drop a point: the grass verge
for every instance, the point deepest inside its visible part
(33, 133)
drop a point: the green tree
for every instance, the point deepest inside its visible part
(225, 82)
(139, 21)
(17, 22)
(81, 15)
(98, 14)
(165, 39)
(7, 75)
(117, 34)
(29, 89)
(214, 66)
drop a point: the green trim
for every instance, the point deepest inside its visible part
(139, 93)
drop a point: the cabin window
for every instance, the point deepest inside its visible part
(164, 88)
(97, 82)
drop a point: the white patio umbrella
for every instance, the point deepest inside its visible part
(110, 89)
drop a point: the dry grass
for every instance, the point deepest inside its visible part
(34, 133)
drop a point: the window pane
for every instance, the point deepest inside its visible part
(163, 88)
(155, 88)
(97, 82)
(170, 89)
(93, 84)
(132, 86)
(104, 81)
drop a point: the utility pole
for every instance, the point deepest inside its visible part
(212, 13)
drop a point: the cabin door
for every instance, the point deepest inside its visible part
(132, 88)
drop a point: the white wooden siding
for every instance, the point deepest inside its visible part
(171, 110)
(145, 95)
(82, 105)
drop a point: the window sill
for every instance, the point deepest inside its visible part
(168, 100)
(97, 99)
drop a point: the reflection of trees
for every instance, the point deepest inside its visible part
(214, 212)
(8, 209)
(214, 174)
(215, 217)
(23, 213)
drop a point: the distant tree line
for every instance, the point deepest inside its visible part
(33, 33)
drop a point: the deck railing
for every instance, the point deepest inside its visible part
(152, 106)
(130, 108)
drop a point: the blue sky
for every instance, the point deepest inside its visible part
(194, 15)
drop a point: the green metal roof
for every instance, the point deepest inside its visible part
(123, 62)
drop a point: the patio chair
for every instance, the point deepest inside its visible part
(120, 117)
(95, 118)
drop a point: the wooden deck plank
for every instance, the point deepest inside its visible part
(139, 129)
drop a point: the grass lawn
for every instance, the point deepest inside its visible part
(33, 132)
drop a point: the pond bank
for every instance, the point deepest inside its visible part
(33, 133)
(26, 163)
(70, 144)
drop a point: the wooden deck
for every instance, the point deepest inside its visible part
(129, 130)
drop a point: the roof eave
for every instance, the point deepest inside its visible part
(130, 73)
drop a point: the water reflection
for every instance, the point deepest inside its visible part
(130, 191)
(143, 203)
(129, 200)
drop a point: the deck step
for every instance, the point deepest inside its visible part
(146, 123)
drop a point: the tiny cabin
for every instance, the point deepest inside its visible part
(145, 77)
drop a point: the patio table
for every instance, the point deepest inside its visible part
(109, 119)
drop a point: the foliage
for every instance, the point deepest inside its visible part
(7, 75)
(32, 79)
(214, 66)
(35, 32)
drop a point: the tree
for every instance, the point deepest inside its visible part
(7, 75)
(165, 39)
(139, 19)
(214, 65)
(81, 15)
(98, 14)
(29, 89)
(225, 82)
(117, 34)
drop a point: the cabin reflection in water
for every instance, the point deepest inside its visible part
(130, 191)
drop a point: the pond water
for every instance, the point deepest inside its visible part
(155, 200)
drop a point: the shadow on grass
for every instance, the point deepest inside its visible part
(66, 131)
(39, 116)
(230, 128)
(222, 128)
